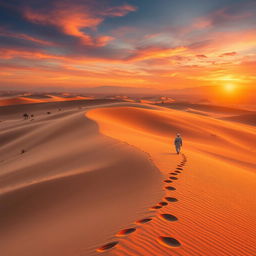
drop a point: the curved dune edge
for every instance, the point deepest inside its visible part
(72, 188)
(169, 242)
(211, 211)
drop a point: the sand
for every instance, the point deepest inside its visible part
(19, 100)
(105, 180)
(215, 210)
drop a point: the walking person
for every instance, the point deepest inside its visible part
(178, 143)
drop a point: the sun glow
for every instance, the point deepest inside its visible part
(229, 87)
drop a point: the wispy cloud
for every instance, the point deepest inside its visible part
(226, 54)
(94, 43)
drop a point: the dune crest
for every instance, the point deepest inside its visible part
(212, 211)
(71, 189)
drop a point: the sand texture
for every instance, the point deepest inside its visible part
(103, 179)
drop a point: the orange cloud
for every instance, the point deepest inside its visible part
(12, 53)
(228, 54)
(191, 60)
(72, 19)
(155, 52)
(201, 56)
(26, 37)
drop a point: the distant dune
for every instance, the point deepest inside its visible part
(96, 177)
(37, 99)
(246, 119)
(16, 112)
(215, 109)
(19, 100)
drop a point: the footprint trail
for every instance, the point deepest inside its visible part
(166, 241)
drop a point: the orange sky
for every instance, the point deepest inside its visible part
(81, 44)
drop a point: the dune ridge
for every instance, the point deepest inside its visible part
(212, 196)
(72, 188)
(43, 99)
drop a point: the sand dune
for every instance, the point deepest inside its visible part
(13, 112)
(210, 207)
(207, 109)
(19, 100)
(36, 99)
(104, 180)
(245, 119)
(71, 189)
(203, 134)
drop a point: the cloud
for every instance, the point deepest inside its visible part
(227, 17)
(91, 42)
(201, 56)
(23, 36)
(228, 54)
(154, 52)
(73, 18)
(119, 11)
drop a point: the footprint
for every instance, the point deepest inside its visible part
(170, 188)
(168, 217)
(107, 246)
(179, 168)
(173, 178)
(173, 173)
(171, 199)
(163, 203)
(156, 207)
(142, 221)
(167, 181)
(126, 231)
(177, 171)
(168, 241)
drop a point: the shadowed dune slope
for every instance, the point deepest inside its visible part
(13, 112)
(72, 189)
(211, 200)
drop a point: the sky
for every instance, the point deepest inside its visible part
(163, 44)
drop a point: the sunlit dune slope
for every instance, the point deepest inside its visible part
(19, 100)
(205, 134)
(214, 211)
(207, 109)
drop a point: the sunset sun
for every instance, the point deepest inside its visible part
(229, 87)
